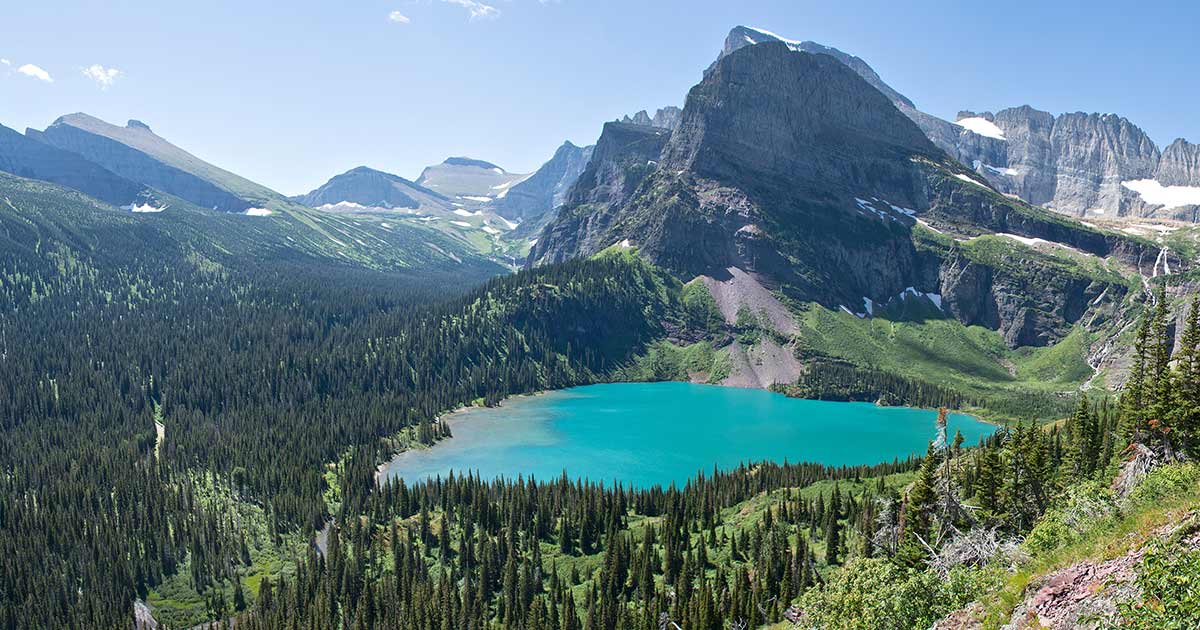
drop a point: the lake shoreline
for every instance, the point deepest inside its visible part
(768, 413)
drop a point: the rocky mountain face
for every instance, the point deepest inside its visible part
(22, 156)
(1078, 164)
(1074, 163)
(1179, 164)
(136, 153)
(545, 189)
(370, 188)
(468, 177)
(792, 168)
(664, 118)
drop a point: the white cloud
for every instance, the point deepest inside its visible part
(398, 17)
(103, 77)
(6, 62)
(478, 10)
(31, 70)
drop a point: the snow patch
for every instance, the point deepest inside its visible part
(509, 224)
(490, 230)
(498, 170)
(763, 31)
(981, 126)
(460, 224)
(464, 213)
(479, 199)
(1156, 194)
(1011, 172)
(1026, 240)
(869, 306)
(258, 212)
(969, 179)
(143, 208)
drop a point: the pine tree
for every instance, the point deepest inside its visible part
(833, 527)
(919, 511)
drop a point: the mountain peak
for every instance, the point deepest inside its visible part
(466, 161)
(742, 36)
(137, 124)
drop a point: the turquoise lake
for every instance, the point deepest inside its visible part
(656, 433)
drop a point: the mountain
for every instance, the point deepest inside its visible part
(25, 157)
(467, 177)
(664, 118)
(1083, 164)
(136, 153)
(791, 175)
(1075, 163)
(546, 189)
(370, 188)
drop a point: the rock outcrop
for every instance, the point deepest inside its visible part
(664, 118)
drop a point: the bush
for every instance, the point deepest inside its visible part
(1049, 533)
(876, 593)
(1169, 581)
(1166, 482)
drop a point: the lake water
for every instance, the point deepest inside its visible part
(648, 433)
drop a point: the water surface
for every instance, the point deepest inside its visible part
(656, 433)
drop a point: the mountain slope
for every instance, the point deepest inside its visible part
(546, 188)
(25, 157)
(1075, 163)
(136, 153)
(464, 177)
(375, 189)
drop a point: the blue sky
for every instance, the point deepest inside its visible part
(290, 94)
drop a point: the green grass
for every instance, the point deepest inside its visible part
(969, 359)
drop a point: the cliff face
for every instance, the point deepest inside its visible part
(1179, 164)
(1075, 163)
(547, 188)
(792, 167)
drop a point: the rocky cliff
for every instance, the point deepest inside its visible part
(793, 168)
(664, 118)
(545, 189)
(1075, 163)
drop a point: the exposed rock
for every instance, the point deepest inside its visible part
(1074, 163)
(664, 118)
(135, 153)
(29, 158)
(547, 188)
(372, 188)
(1179, 164)
(793, 168)
(463, 176)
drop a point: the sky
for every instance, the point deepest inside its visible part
(291, 94)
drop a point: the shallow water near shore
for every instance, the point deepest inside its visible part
(658, 433)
